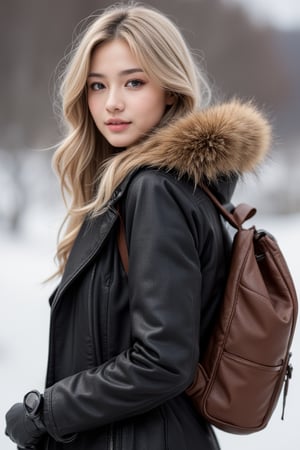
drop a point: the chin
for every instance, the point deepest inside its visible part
(121, 144)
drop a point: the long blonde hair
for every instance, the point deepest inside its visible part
(86, 164)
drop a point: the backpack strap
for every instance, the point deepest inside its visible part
(122, 244)
(238, 216)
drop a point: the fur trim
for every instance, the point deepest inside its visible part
(232, 138)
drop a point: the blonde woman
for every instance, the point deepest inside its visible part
(124, 346)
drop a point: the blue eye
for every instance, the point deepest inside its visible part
(97, 86)
(135, 83)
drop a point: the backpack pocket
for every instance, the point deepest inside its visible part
(251, 388)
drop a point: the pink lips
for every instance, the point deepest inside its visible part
(117, 125)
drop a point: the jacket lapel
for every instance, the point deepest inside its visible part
(90, 239)
(88, 242)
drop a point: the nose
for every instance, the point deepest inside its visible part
(114, 101)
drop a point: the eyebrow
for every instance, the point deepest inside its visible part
(122, 73)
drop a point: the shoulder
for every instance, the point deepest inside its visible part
(159, 200)
(158, 183)
(157, 203)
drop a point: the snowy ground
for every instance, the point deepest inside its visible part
(26, 260)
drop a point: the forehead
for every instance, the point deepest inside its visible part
(113, 55)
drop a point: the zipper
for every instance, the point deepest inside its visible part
(287, 377)
(165, 426)
(105, 316)
(111, 442)
(105, 346)
(93, 314)
(47, 447)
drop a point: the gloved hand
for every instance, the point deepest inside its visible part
(24, 427)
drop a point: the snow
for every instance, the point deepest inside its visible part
(27, 259)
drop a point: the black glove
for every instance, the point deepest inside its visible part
(24, 424)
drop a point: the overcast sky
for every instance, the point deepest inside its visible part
(282, 13)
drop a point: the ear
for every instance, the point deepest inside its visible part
(170, 98)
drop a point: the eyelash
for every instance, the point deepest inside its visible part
(135, 80)
(140, 83)
(93, 86)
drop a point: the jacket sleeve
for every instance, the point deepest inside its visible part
(164, 283)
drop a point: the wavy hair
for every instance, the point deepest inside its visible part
(88, 167)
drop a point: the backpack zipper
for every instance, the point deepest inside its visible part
(288, 376)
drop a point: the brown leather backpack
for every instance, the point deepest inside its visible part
(247, 362)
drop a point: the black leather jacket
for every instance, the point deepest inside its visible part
(122, 351)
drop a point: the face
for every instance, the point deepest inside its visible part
(123, 101)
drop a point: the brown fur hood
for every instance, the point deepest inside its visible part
(224, 140)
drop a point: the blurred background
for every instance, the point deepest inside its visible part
(249, 49)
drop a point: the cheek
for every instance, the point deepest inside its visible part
(94, 106)
(153, 106)
(90, 107)
(159, 102)
(157, 109)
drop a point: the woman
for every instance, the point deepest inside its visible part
(124, 347)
